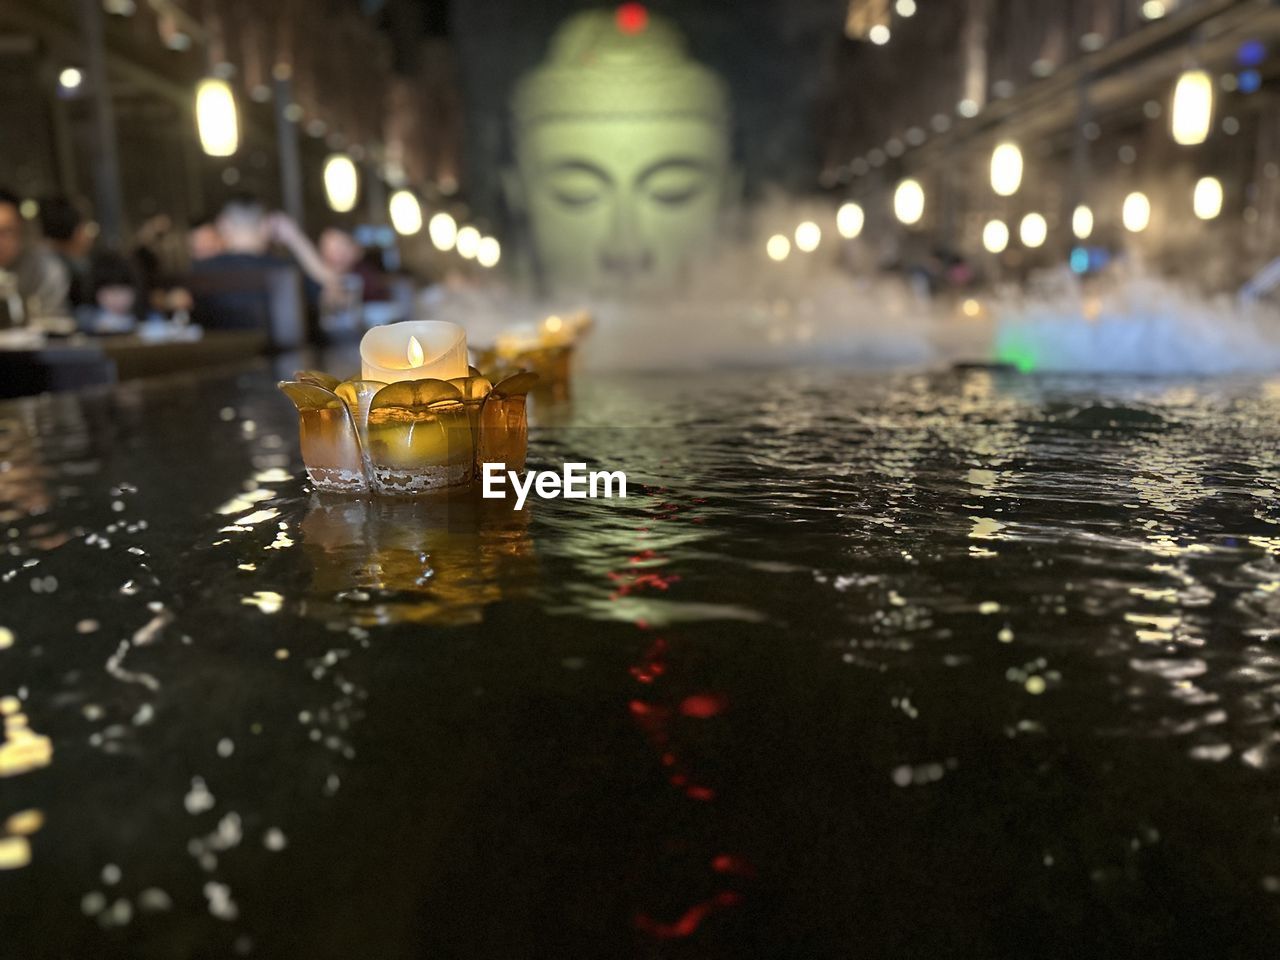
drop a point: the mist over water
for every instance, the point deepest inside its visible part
(838, 307)
(1133, 324)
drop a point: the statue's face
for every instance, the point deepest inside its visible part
(621, 202)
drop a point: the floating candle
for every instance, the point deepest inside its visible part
(414, 350)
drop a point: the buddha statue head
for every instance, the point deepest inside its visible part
(622, 153)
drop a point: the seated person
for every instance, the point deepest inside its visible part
(115, 296)
(347, 258)
(42, 281)
(67, 237)
(247, 232)
(203, 240)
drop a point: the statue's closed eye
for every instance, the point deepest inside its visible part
(577, 184)
(676, 182)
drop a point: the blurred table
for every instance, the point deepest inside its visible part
(80, 363)
(135, 357)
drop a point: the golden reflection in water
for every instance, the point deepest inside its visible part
(438, 560)
(21, 751)
(24, 490)
(15, 848)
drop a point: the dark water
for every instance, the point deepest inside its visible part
(924, 666)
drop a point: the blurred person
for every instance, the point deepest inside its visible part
(115, 296)
(41, 281)
(203, 240)
(343, 255)
(159, 257)
(68, 237)
(247, 233)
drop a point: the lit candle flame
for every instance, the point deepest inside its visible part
(416, 356)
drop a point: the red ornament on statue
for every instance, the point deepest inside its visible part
(632, 17)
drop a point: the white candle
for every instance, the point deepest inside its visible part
(414, 350)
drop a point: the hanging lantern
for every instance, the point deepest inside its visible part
(443, 230)
(489, 252)
(406, 213)
(1193, 108)
(1082, 222)
(850, 220)
(995, 236)
(1006, 169)
(908, 202)
(1033, 230)
(468, 242)
(808, 236)
(1137, 212)
(341, 182)
(216, 118)
(1207, 199)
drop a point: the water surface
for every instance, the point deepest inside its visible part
(948, 665)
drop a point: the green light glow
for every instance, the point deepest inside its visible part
(1018, 354)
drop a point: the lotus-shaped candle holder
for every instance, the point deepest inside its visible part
(546, 348)
(410, 437)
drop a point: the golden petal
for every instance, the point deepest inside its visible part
(473, 388)
(503, 432)
(412, 394)
(354, 391)
(327, 437)
(319, 377)
(516, 385)
(358, 396)
(419, 437)
(309, 396)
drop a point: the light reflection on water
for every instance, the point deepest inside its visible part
(945, 636)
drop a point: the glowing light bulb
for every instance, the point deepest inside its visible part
(414, 353)
(1034, 230)
(341, 183)
(879, 35)
(468, 242)
(1137, 212)
(1192, 108)
(908, 202)
(905, 8)
(443, 230)
(1154, 9)
(1207, 200)
(553, 324)
(489, 252)
(1006, 169)
(216, 118)
(406, 213)
(995, 236)
(808, 236)
(70, 79)
(778, 248)
(1082, 222)
(850, 220)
